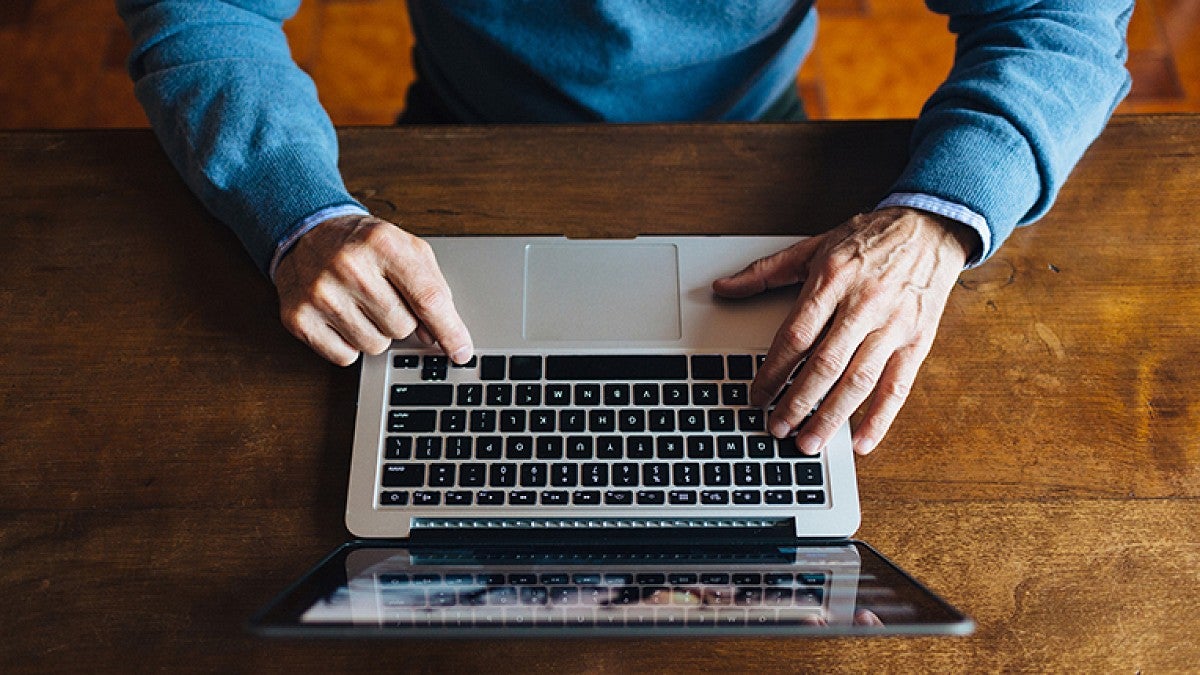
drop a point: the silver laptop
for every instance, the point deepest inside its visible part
(609, 392)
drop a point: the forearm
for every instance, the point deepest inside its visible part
(239, 120)
(1032, 86)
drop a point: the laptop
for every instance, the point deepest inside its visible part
(597, 468)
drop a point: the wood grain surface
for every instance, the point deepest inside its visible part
(170, 457)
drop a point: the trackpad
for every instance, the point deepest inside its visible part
(601, 291)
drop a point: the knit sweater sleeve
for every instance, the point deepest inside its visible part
(1033, 84)
(237, 117)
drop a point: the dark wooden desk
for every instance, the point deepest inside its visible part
(170, 457)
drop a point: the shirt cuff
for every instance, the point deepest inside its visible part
(950, 210)
(304, 226)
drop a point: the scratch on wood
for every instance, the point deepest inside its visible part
(1043, 331)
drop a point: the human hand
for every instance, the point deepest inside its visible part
(873, 291)
(354, 283)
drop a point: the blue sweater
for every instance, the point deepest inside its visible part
(1032, 85)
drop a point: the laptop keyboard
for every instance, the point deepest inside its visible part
(617, 430)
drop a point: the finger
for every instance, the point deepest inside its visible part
(380, 303)
(895, 383)
(428, 297)
(784, 268)
(338, 309)
(424, 336)
(854, 386)
(310, 329)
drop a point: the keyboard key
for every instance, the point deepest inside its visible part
(747, 473)
(655, 474)
(714, 579)
(488, 447)
(529, 394)
(586, 498)
(741, 367)
(616, 394)
(691, 419)
(558, 394)
(747, 579)
(406, 361)
(602, 420)
(777, 473)
(564, 475)
(760, 447)
(571, 420)
(810, 496)
(686, 474)
(651, 497)
(472, 362)
(404, 395)
(441, 475)
(579, 447)
(392, 498)
(522, 498)
(746, 497)
(713, 497)
(489, 497)
(751, 419)
(459, 498)
(502, 475)
(720, 419)
(618, 497)
(645, 394)
(472, 475)
(403, 475)
(700, 447)
(525, 368)
(542, 420)
(670, 447)
(675, 394)
(735, 394)
(704, 394)
(426, 498)
(610, 447)
(498, 394)
(533, 474)
(491, 368)
(638, 447)
(731, 447)
(554, 498)
(662, 420)
(778, 496)
(398, 447)
(512, 420)
(608, 367)
(708, 367)
(549, 447)
(534, 595)
(483, 420)
(808, 473)
(682, 578)
(716, 474)
(587, 394)
(632, 419)
(625, 474)
(429, 447)
(412, 421)
(452, 421)
(684, 497)
(470, 394)
(594, 474)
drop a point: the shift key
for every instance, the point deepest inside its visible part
(422, 394)
(403, 475)
(412, 421)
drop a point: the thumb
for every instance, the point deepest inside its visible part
(784, 268)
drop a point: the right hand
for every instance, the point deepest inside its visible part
(353, 284)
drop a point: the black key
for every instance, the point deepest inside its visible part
(708, 367)
(406, 361)
(616, 394)
(675, 394)
(533, 474)
(393, 498)
(534, 595)
(489, 497)
(632, 419)
(616, 367)
(747, 473)
(618, 579)
(564, 475)
(788, 450)
(610, 447)
(602, 420)
(687, 497)
(571, 420)
(488, 447)
(594, 474)
(564, 595)
(470, 394)
(639, 447)
(426, 498)
(735, 394)
(713, 497)
(585, 497)
(654, 474)
(651, 497)
(704, 394)
(472, 475)
(751, 419)
(554, 498)
(502, 475)
(618, 497)
(522, 498)
(720, 419)
(810, 496)
(747, 578)
(700, 447)
(512, 419)
(691, 419)
(811, 578)
(412, 421)
(777, 473)
(403, 475)
(529, 394)
(746, 497)
(518, 447)
(686, 474)
(525, 368)
(429, 447)
(422, 394)
(587, 394)
(499, 394)
(558, 394)
(645, 394)
(549, 447)
(808, 473)
(471, 363)
(741, 367)
(778, 579)
(716, 473)
(452, 421)
(670, 447)
(625, 474)
(491, 368)
(441, 475)
(458, 498)
(778, 496)
(579, 447)
(682, 579)
(731, 447)
(662, 420)
(433, 374)
(541, 420)
(760, 447)
(714, 579)
(483, 420)
(398, 447)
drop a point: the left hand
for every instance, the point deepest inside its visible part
(873, 291)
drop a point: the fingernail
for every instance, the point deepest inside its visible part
(780, 429)
(461, 355)
(865, 445)
(809, 444)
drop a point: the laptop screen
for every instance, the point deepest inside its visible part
(368, 589)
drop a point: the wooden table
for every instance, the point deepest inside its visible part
(170, 457)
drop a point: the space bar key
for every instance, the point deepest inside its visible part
(617, 367)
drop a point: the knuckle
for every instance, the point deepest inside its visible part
(798, 338)
(896, 390)
(825, 422)
(861, 381)
(825, 365)
(428, 300)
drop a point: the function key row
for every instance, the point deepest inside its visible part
(603, 579)
(559, 395)
(596, 367)
(428, 497)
